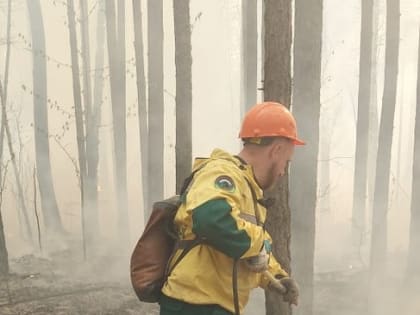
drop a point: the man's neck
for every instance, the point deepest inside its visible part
(251, 160)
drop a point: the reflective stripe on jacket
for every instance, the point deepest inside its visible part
(219, 207)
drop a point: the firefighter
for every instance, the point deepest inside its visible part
(224, 209)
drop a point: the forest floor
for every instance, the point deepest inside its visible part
(63, 285)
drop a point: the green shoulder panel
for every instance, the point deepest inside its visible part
(213, 221)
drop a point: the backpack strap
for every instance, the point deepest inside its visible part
(185, 245)
(255, 200)
(235, 286)
(187, 181)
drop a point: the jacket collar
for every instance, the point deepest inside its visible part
(238, 161)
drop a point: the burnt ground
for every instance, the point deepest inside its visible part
(62, 284)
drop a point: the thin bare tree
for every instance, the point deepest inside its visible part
(91, 134)
(141, 99)
(250, 51)
(362, 139)
(155, 88)
(51, 214)
(20, 193)
(115, 26)
(78, 110)
(413, 261)
(278, 87)
(303, 171)
(5, 128)
(4, 257)
(378, 256)
(373, 107)
(183, 64)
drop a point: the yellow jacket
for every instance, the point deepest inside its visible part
(219, 207)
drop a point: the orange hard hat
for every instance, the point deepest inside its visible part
(269, 119)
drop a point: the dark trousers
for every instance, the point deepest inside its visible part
(170, 306)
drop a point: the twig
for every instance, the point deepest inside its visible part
(336, 158)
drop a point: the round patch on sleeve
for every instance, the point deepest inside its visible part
(225, 183)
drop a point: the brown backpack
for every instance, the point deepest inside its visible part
(152, 254)
(153, 250)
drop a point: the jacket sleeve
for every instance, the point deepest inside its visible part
(274, 268)
(216, 217)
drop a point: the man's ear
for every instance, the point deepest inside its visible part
(275, 149)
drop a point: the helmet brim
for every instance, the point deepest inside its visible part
(297, 141)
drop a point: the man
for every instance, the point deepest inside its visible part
(223, 209)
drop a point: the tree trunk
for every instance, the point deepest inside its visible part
(85, 53)
(380, 206)
(6, 77)
(80, 132)
(413, 263)
(95, 120)
(91, 183)
(373, 109)
(5, 128)
(49, 205)
(4, 257)
(156, 118)
(8, 51)
(306, 110)
(360, 169)
(116, 54)
(4, 261)
(277, 87)
(250, 52)
(142, 102)
(183, 64)
(120, 129)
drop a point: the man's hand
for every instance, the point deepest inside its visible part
(291, 295)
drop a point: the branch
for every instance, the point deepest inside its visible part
(72, 159)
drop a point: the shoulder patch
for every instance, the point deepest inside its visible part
(225, 183)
